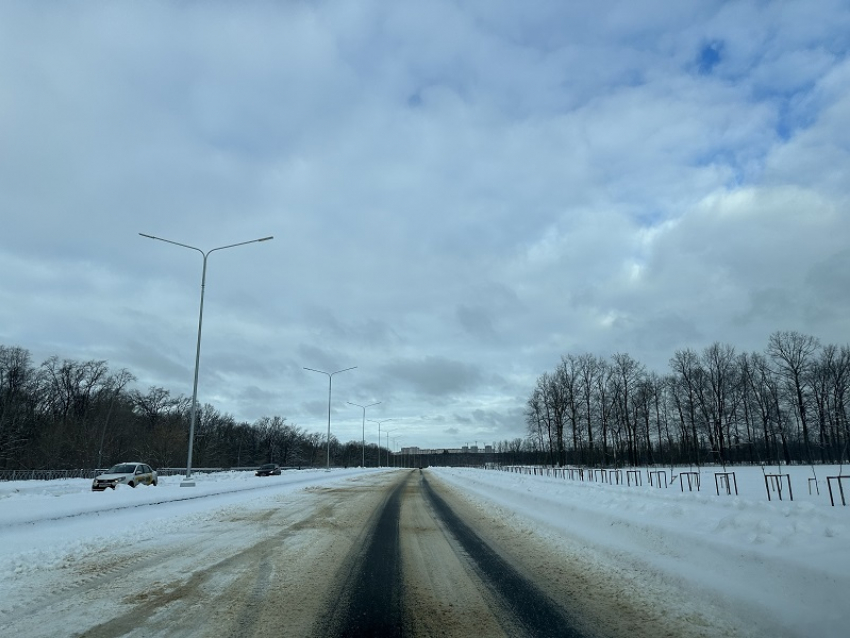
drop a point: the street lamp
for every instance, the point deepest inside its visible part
(330, 383)
(188, 482)
(364, 426)
(379, 438)
(395, 444)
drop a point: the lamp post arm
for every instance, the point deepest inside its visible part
(241, 243)
(177, 243)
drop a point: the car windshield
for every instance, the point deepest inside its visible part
(121, 468)
(268, 467)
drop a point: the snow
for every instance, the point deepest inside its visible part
(43, 524)
(783, 563)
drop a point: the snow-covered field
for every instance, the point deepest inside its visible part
(778, 563)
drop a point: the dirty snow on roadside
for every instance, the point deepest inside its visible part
(44, 524)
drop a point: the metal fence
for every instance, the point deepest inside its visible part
(50, 475)
(45, 475)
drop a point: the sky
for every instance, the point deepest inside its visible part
(715, 563)
(460, 193)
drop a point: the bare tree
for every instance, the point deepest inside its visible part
(539, 425)
(555, 401)
(793, 352)
(591, 370)
(16, 416)
(829, 381)
(687, 373)
(569, 380)
(718, 362)
(626, 373)
(114, 385)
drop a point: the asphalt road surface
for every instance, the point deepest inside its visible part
(390, 554)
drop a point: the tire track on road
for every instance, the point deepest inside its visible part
(530, 606)
(447, 582)
(371, 597)
(389, 555)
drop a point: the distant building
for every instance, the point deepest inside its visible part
(437, 450)
(466, 449)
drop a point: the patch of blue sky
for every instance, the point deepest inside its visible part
(709, 56)
(650, 217)
(790, 120)
(795, 109)
(742, 165)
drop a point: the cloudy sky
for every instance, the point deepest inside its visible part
(460, 192)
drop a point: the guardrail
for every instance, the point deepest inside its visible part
(52, 475)
(45, 475)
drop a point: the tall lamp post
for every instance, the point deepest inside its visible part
(330, 384)
(379, 438)
(364, 427)
(193, 415)
(399, 463)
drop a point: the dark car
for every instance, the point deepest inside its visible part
(268, 469)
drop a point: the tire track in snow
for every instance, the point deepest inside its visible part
(377, 598)
(531, 607)
(370, 601)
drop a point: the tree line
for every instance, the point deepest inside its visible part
(66, 414)
(787, 404)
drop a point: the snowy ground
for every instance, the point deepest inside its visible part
(43, 524)
(782, 565)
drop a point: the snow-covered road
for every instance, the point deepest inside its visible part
(240, 555)
(168, 561)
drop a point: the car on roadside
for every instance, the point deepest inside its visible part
(130, 473)
(269, 469)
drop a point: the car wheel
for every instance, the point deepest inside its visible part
(131, 484)
(154, 483)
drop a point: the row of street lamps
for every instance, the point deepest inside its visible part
(379, 441)
(188, 482)
(363, 462)
(330, 385)
(363, 407)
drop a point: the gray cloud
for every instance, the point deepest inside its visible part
(476, 321)
(434, 376)
(459, 194)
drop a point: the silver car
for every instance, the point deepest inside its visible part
(130, 473)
